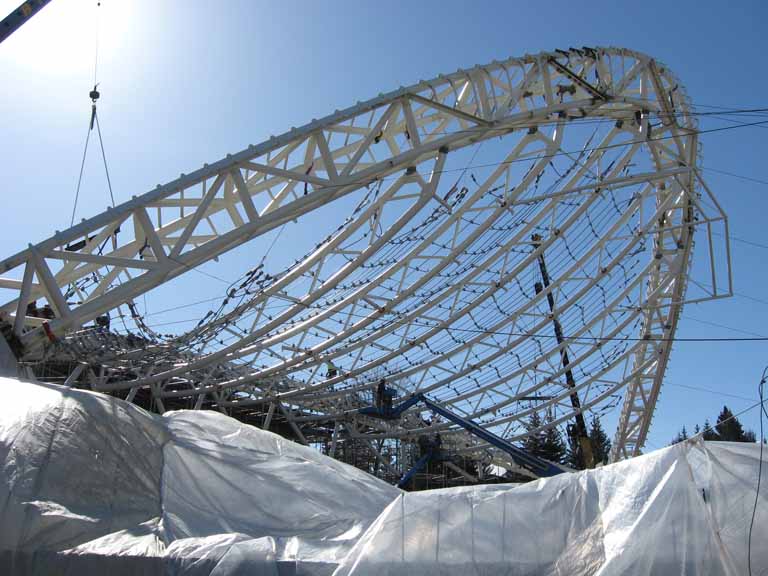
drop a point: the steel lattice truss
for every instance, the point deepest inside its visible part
(434, 281)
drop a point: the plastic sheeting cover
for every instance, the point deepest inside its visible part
(681, 510)
(90, 484)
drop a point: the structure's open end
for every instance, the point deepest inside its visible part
(513, 240)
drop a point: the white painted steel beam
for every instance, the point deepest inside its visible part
(448, 308)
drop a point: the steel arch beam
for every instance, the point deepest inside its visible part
(274, 169)
(404, 137)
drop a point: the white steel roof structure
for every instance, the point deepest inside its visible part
(552, 282)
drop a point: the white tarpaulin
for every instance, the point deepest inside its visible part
(681, 510)
(91, 485)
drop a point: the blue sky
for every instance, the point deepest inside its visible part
(186, 82)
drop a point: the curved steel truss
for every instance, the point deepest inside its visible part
(549, 280)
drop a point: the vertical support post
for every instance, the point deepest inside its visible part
(270, 413)
(218, 397)
(334, 439)
(155, 390)
(379, 457)
(588, 455)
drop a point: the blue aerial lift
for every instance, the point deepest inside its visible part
(385, 409)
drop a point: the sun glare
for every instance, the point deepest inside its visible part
(61, 38)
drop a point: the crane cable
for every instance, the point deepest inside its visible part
(94, 120)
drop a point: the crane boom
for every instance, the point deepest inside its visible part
(538, 466)
(20, 16)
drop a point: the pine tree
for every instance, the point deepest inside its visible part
(601, 444)
(532, 443)
(728, 427)
(681, 436)
(709, 432)
(552, 445)
(573, 457)
(546, 444)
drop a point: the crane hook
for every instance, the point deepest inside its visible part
(94, 95)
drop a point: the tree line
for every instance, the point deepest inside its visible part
(727, 428)
(551, 444)
(564, 448)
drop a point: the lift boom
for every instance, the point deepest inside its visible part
(538, 466)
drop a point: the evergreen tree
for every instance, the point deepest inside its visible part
(546, 444)
(601, 444)
(696, 430)
(532, 443)
(709, 432)
(729, 429)
(681, 436)
(573, 456)
(552, 445)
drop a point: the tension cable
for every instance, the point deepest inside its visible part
(94, 96)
